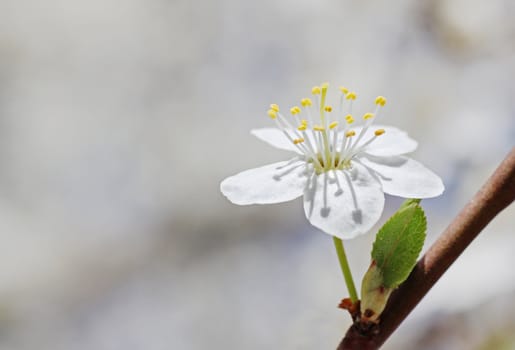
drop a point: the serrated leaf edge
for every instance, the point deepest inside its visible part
(424, 223)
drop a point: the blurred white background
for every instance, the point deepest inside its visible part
(119, 119)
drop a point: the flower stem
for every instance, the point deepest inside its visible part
(338, 243)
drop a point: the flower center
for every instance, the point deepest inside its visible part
(325, 137)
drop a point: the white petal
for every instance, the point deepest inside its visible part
(347, 210)
(275, 137)
(393, 142)
(404, 177)
(273, 183)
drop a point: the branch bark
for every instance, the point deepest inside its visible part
(495, 195)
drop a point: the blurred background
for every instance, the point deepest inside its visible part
(119, 119)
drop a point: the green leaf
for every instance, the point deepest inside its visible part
(399, 242)
(409, 202)
(374, 295)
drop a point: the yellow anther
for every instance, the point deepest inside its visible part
(368, 116)
(305, 102)
(297, 141)
(302, 127)
(349, 119)
(318, 128)
(325, 86)
(274, 107)
(344, 90)
(380, 100)
(351, 96)
(333, 125)
(304, 122)
(316, 90)
(295, 110)
(379, 132)
(272, 113)
(328, 108)
(350, 133)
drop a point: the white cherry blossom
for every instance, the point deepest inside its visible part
(342, 171)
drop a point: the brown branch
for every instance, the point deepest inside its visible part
(495, 195)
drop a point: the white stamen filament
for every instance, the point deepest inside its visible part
(310, 118)
(368, 123)
(301, 146)
(283, 129)
(361, 147)
(334, 152)
(313, 153)
(343, 153)
(319, 143)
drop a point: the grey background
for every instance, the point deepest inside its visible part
(119, 119)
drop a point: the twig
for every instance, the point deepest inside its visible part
(495, 195)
